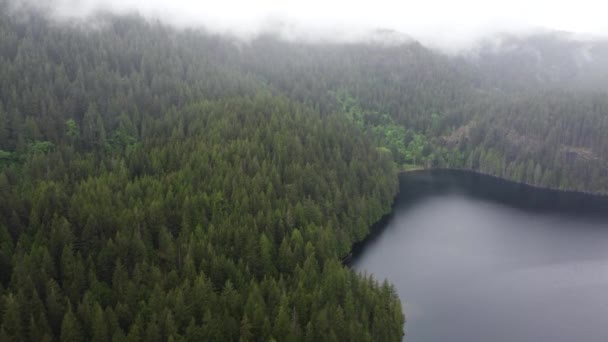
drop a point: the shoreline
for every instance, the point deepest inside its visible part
(540, 187)
(374, 229)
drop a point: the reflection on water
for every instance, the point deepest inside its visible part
(475, 258)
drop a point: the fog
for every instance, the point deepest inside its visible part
(444, 24)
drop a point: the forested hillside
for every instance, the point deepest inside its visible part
(518, 110)
(150, 194)
(165, 184)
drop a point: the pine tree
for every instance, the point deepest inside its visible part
(11, 319)
(70, 327)
(99, 327)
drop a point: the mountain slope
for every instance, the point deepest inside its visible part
(152, 191)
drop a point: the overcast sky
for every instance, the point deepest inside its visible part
(434, 22)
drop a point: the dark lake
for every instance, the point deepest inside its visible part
(476, 258)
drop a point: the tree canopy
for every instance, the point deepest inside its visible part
(161, 184)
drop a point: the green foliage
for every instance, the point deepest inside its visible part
(6, 158)
(40, 147)
(184, 236)
(158, 184)
(407, 147)
(71, 129)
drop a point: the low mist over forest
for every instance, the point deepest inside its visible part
(179, 183)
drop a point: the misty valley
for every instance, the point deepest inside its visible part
(168, 181)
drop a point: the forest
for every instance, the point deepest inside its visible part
(159, 184)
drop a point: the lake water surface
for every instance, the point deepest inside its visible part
(476, 258)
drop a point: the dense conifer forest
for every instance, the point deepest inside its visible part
(163, 184)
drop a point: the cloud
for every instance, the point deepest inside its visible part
(440, 23)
